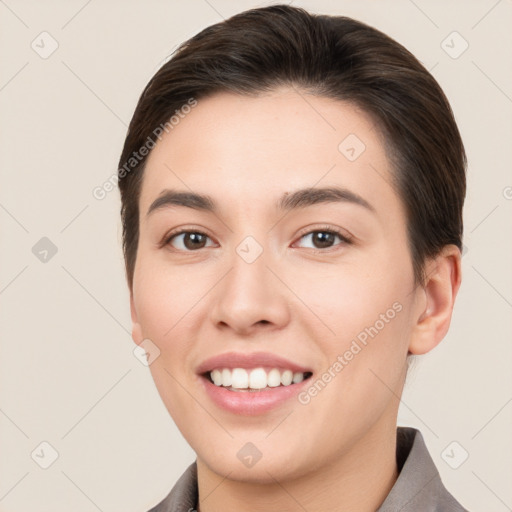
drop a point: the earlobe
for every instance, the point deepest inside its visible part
(438, 298)
(136, 327)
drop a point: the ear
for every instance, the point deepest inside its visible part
(436, 300)
(136, 327)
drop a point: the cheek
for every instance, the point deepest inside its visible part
(361, 324)
(348, 298)
(166, 297)
(168, 302)
(363, 373)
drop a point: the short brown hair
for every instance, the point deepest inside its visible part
(331, 56)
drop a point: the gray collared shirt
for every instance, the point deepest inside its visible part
(418, 488)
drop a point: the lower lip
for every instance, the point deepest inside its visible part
(251, 403)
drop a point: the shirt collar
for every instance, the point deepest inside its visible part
(418, 486)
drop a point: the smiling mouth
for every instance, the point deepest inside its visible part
(254, 380)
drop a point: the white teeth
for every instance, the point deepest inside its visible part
(226, 378)
(239, 378)
(274, 378)
(257, 378)
(286, 377)
(216, 377)
(298, 377)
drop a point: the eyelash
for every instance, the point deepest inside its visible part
(345, 238)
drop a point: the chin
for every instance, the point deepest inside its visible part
(259, 462)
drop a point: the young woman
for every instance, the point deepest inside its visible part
(292, 189)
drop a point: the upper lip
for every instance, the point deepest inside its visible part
(244, 360)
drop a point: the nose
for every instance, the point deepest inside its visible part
(250, 298)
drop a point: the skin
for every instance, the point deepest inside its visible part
(338, 451)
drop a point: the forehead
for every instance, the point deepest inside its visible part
(249, 150)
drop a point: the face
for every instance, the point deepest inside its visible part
(262, 284)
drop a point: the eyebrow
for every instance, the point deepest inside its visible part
(297, 199)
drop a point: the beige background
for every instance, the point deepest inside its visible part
(68, 375)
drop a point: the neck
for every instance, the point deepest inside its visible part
(358, 480)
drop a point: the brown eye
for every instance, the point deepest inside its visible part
(324, 239)
(188, 240)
